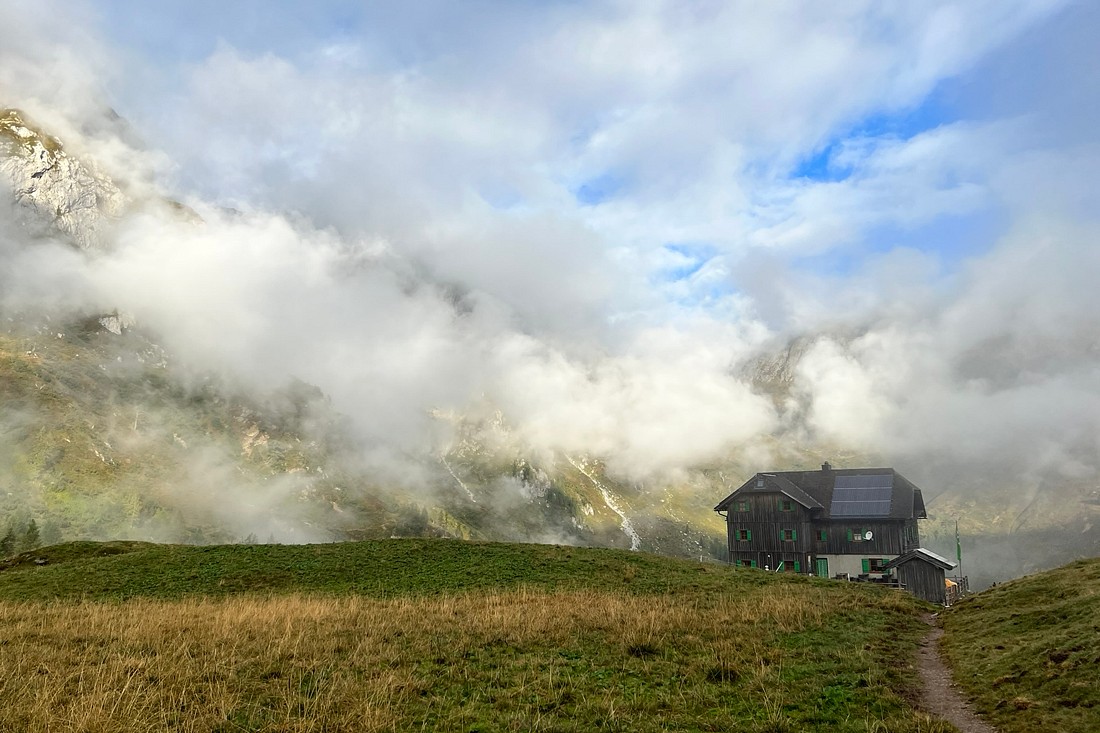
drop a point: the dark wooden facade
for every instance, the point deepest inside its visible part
(769, 534)
(769, 529)
(783, 521)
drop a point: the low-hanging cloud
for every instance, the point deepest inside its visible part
(1004, 374)
(443, 251)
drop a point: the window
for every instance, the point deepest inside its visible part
(744, 534)
(875, 564)
(786, 505)
(759, 483)
(747, 563)
(855, 535)
(743, 506)
(822, 535)
(788, 535)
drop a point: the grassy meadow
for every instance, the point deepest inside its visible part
(1028, 651)
(443, 635)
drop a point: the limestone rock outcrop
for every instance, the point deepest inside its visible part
(53, 192)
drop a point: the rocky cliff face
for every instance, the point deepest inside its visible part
(53, 192)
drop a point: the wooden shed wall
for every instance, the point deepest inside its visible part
(923, 580)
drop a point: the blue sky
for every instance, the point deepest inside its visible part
(903, 124)
(822, 138)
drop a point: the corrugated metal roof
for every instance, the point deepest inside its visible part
(920, 554)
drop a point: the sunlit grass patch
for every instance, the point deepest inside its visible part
(1028, 651)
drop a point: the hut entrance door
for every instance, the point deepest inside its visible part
(821, 567)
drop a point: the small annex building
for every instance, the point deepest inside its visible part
(924, 574)
(831, 522)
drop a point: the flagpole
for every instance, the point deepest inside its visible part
(958, 550)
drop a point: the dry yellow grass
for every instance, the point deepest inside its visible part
(351, 664)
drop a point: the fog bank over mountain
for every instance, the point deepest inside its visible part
(599, 222)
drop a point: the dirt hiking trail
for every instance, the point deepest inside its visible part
(940, 697)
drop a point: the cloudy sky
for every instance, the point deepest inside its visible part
(623, 201)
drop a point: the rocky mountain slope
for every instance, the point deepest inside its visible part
(54, 191)
(103, 436)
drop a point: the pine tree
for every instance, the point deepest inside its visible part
(7, 543)
(50, 534)
(30, 537)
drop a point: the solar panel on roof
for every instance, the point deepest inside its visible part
(862, 496)
(883, 480)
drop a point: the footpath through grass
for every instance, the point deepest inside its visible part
(442, 635)
(1028, 651)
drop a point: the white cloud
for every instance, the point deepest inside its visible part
(433, 251)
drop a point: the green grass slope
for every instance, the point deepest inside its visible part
(447, 635)
(114, 571)
(118, 571)
(1028, 651)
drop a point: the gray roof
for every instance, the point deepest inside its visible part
(841, 493)
(920, 554)
(786, 487)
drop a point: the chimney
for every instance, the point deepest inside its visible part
(826, 467)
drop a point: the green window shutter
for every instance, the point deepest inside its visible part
(866, 565)
(822, 535)
(752, 563)
(797, 567)
(794, 534)
(849, 535)
(748, 536)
